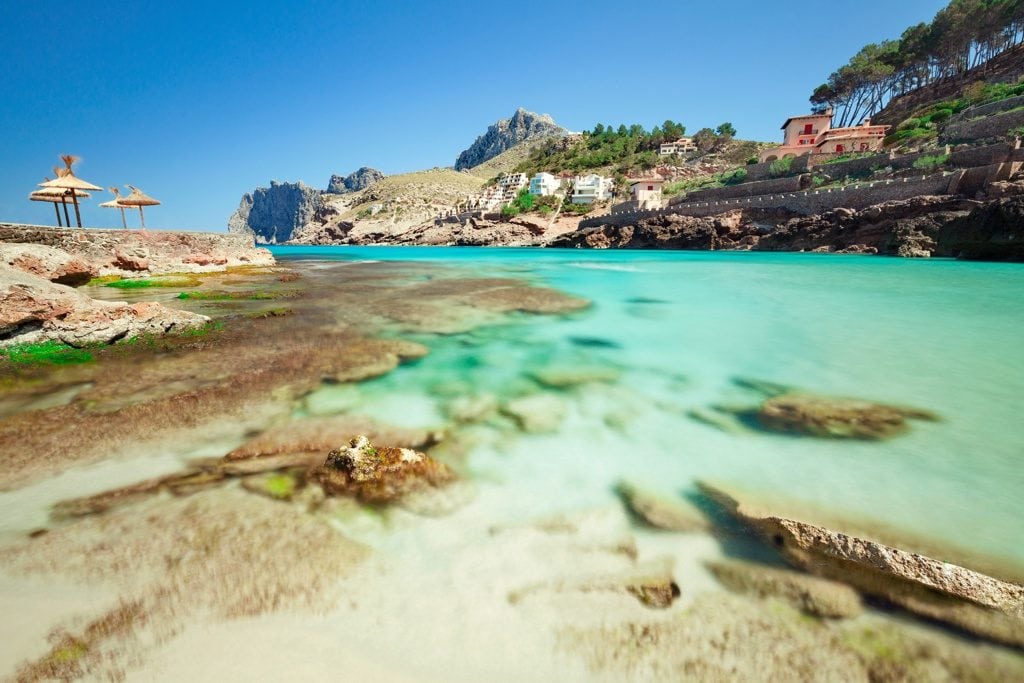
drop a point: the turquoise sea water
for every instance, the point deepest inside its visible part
(936, 334)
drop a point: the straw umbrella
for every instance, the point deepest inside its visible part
(56, 196)
(115, 203)
(69, 181)
(139, 199)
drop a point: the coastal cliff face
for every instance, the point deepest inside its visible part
(272, 214)
(354, 182)
(506, 133)
(909, 228)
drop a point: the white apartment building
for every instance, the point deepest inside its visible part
(510, 184)
(591, 188)
(544, 184)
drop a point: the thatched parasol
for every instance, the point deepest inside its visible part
(139, 199)
(57, 196)
(69, 181)
(115, 203)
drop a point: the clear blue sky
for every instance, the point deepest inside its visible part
(198, 102)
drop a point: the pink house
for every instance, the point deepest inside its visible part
(814, 133)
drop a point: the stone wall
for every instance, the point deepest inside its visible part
(988, 109)
(748, 189)
(808, 202)
(855, 167)
(984, 128)
(970, 157)
(121, 252)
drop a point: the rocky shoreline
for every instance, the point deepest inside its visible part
(40, 268)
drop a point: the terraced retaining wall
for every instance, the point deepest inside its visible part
(807, 202)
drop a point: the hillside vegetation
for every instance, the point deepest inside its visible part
(923, 127)
(508, 160)
(962, 38)
(629, 151)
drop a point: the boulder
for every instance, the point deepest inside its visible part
(993, 231)
(55, 265)
(379, 475)
(966, 599)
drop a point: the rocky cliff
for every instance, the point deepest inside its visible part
(272, 214)
(354, 182)
(506, 133)
(912, 227)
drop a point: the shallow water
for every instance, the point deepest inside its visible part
(667, 333)
(936, 334)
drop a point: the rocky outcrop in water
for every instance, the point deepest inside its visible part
(523, 125)
(353, 182)
(993, 232)
(966, 599)
(272, 214)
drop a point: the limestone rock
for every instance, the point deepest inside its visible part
(55, 265)
(272, 214)
(964, 598)
(834, 417)
(379, 475)
(523, 125)
(353, 182)
(34, 310)
(810, 594)
(670, 514)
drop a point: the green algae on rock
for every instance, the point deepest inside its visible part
(841, 418)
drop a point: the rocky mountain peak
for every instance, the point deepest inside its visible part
(353, 182)
(272, 214)
(523, 125)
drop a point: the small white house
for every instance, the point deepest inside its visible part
(646, 192)
(591, 188)
(676, 147)
(544, 184)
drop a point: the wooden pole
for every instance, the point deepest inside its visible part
(56, 210)
(142, 218)
(67, 218)
(78, 215)
(124, 223)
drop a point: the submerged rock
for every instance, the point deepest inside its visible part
(723, 637)
(964, 598)
(809, 594)
(660, 512)
(379, 475)
(651, 583)
(559, 377)
(537, 413)
(843, 418)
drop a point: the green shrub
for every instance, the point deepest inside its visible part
(931, 162)
(781, 166)
(734, 177)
